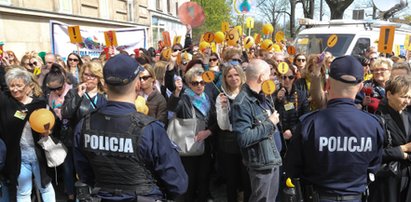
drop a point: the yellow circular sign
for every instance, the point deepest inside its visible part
(248, 42)
(332, 40)
(208, 76)
(283, 68)
(232, 37)
(267, 44)
(268, 87)
(219, 37)
(279, 36)
(208, 36)
(166, 53)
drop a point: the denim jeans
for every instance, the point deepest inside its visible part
(4, 196)
(27, 170)
(68, 170)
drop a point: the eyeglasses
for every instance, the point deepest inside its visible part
(379, 70)
(89, 76)
(144, 78)
(56, 89)
(291, 77)
(73, 59)
(213, 59)
(175, 50)
(32, 64)
(300, 60)
(196, 83)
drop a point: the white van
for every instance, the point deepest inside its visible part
(354, 36)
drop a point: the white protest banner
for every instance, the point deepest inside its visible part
(93, 40)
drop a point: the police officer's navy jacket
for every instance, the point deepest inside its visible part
(334, 149)
(156, 161)
(258, 137)
(2, 154)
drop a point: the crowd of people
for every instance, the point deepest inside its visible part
(331, 122)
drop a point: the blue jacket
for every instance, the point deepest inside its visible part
(155, 147)
(257, 136)
(336, 148)
(3, 152)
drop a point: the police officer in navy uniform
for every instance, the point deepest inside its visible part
(125, 155)
(335, 151)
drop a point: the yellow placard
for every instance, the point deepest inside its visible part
(332, 40)
(279, 36)
(213, 47)
(397, 49)
(208, 37)
(110, 38)
(407, 41)
(303, 41)
(239, 29)
(283, 68)
(232, 37)
(225, 26)
(177, 40)
(208, 76)
(386, 40)
(249, 23)
(268, 87)
(74, 34)
(257, 38)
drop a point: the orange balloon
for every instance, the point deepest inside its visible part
(42, 120)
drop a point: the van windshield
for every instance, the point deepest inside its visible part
(316, 43)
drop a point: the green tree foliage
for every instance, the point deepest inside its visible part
(216, 11)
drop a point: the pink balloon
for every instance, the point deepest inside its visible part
(190, 13)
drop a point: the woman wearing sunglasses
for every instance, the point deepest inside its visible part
(300, 61)
(55, 81)
(31, 61)
(291, 103)
(182, 103)
(157, 105)
(74, 63)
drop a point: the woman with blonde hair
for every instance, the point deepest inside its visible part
(32, 62)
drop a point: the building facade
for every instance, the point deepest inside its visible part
(25, 24)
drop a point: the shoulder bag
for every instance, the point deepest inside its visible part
(183, 131)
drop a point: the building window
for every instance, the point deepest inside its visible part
(65, 6)
(130, 10)
(176, 8)
(104, 9)
(5, 2)
(158, 4)
(168, 6)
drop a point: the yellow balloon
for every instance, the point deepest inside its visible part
(248, 42)
(277, 48)
(267, 44)
(268, 29)
(203, 45)
(219, 37)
